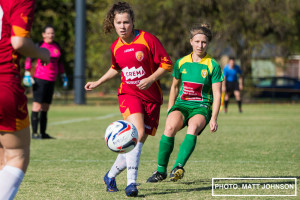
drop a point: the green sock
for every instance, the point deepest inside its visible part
(186, 149)
(166, 146)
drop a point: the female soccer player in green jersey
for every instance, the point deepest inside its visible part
(194, 101)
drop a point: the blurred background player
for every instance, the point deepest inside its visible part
(15, 23)
(233, 83)
(44, 82)
(194, 101)
(142, 60)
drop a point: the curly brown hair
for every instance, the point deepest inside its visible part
(201, 29)
(120, 7)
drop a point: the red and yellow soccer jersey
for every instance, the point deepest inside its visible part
(15, 20)
(139, 60)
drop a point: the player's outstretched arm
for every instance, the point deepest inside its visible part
(26, 47)
(216, 87)
(111, 73)
(174, 92)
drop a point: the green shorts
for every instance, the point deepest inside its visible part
(190, 111)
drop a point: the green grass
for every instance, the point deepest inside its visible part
(263, 141)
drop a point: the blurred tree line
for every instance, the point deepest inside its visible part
(245, 26)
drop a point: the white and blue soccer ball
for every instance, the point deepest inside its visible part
(121, 136)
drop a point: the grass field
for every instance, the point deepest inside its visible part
(263, 141)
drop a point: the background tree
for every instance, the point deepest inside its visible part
(245, 26)
(248, 26)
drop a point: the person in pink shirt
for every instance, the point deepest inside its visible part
(43, 82)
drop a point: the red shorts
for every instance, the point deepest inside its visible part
(13, 107)
(130, 104)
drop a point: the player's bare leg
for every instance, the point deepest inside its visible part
(174, 123)
(2, 161)
(16, 148)
(137, 119)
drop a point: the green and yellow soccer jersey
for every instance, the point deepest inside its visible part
(197, 79)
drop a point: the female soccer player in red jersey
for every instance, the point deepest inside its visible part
(15, 23)
(194, 102)
(142, 60)
(43, 83)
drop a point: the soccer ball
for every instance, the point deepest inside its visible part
(121, 136)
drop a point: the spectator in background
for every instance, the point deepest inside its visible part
(233, 83)
(16, 20)
(43, 82)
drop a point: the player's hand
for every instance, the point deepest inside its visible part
(91, 85)
(213, 125)
(28, 80)
(145, 84)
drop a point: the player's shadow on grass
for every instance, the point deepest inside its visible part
(166, 190)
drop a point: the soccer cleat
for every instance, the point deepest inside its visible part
(176, 174)
(36, 136)
(46, 136)
(157, 177)
(111, 185)
(131, 190)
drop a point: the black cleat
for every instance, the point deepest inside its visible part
(157, 177)
(176, 174)
(46, 136)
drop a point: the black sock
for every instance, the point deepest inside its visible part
(34, 121)
(43, 122)
(226, 104)
(240, 105)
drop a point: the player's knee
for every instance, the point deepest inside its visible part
(36, 107)
(17, 158)
(170, 130)
(45, 107)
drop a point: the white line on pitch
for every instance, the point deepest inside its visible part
(191, 161)
(83, 119)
